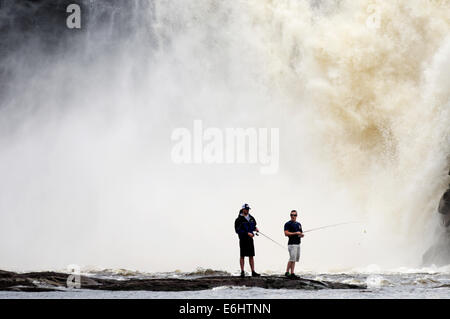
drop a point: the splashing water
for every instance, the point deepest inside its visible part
(359, 90)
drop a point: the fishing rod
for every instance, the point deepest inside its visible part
(328, 226)
(271, 240)
(306, 231)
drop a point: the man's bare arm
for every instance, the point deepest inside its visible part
(288, 233)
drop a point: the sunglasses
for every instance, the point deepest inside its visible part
(293, 215)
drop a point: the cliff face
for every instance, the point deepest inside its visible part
(439, 254)
(36, 31)
(31, 22)
(29, 27)
(25, 22)
(444, 208)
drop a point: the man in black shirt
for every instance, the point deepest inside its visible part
(245, 226)
(293, 230)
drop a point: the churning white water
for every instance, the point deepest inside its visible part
(359, 90)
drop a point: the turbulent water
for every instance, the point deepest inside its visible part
(360, 91)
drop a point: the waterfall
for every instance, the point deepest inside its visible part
(359, 90)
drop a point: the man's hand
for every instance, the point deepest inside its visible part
(256, 228)
(300, 234)
(251, 235)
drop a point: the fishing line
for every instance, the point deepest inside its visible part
(334, 225)
(306, 231)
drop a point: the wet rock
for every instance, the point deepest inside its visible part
(47, 281)
(439, 253)
(444, 208)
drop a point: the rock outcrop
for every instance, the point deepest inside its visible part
(53, 281)
(439, 253)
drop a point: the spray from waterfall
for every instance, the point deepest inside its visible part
(359, 91)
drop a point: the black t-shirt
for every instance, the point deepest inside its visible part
(293, 227)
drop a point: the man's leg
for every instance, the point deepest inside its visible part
(291, 256)
(288, 268)
(292, 266)
(296, 251)
(242, 261)
(252, 263)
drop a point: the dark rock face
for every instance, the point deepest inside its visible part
(444, 208)
(34, 32)
(439, 253)
(29, 28)
(51, 281)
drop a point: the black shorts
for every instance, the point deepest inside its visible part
(246, 247)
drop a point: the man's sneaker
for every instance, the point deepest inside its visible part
(287, 274)
(293, 276)
(242, 274)
(255, 274)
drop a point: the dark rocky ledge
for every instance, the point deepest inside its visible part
(52, 281)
